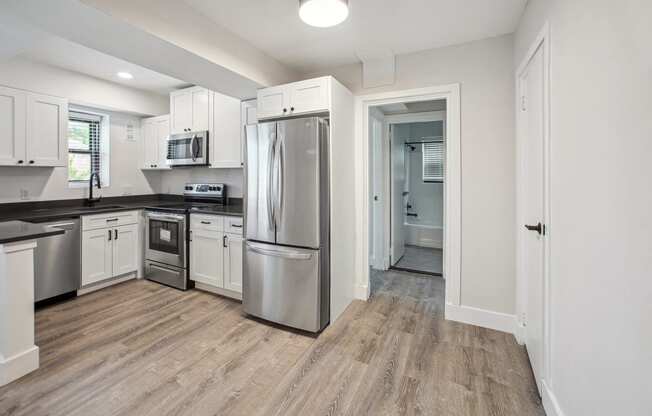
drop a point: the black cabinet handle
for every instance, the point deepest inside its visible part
(20, 162)
(112, 219)
(206, 222)
(109, 235)
(224, 241)
(291, 108)
(115, 233)
(31, 162)
(285, 110)
(539, 228)
(236, 225)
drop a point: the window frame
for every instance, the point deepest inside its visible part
(103, 145)
(442, 161)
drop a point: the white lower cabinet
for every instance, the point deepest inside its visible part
(109, 251)
(216, 254)
(206, 257)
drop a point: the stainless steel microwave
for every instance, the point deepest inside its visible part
(188, 149)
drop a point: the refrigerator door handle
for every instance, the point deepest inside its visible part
(276, 253)
(278, 209)
(270, 174)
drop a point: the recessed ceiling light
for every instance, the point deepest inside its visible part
(125, 75)
(323, 13)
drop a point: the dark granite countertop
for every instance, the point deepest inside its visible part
(40, 210)
(12, 231)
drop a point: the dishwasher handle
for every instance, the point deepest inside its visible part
(68, 226)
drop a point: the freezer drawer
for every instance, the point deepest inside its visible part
(283, 285)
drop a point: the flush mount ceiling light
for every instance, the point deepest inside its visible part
(125, 75)
(323, 13)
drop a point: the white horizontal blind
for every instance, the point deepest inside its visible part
(433, 161)
(92, 148)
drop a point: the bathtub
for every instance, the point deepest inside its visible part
(424, 235)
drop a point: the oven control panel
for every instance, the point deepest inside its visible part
(213, 190)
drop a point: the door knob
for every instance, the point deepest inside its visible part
(539, 228)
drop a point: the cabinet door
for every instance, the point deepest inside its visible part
(225, 137)
(206, 257)
(150, 145)
(180, 111)
(233, 262)
(309, 96)
(272, 101)
(97, 254)
(12, 126)
(125, 249)
(162, 131)
(46, 130)
(200, 107)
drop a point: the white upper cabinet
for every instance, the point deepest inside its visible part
(225, 139)
(47, 130)
(33, 129)
(297, 98)
(155, 133)
(12, 126)
(189, 110)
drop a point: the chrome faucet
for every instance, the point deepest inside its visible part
(91, 200)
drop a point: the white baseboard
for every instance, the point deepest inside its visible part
(361, 292)
(106, 283)
(519, 333)
(550, 403)
(218, 291)
(15, 367)
(480, 317)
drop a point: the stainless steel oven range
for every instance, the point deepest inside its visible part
(166, 237)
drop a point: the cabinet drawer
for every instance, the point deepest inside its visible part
(233, 225)
(114, 219)
(206, 222)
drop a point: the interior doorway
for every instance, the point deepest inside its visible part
(407, 163)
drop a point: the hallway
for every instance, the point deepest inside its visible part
(421, 259)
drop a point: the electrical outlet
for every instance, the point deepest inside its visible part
(24, 194)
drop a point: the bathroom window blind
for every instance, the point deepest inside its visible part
(433, 162)
(84, 153)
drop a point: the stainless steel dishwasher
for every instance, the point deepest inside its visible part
(57, 263)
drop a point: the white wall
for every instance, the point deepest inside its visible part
(80, 89)
(52, 183)
(126, 178)
(484, 70)
(601, 200)
(172, 181)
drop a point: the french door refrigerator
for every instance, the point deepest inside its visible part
(286, 276)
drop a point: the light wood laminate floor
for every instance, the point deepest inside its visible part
(139, 348)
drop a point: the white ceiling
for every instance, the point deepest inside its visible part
(62, 53)
(400, 26)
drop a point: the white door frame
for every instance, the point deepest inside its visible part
(452, 189)
(423, 117)
(541, 41)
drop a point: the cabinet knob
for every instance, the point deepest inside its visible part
(291, 108)
(20, 162)
(285, 110)
(31, 162)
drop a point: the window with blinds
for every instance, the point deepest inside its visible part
(84, 141)
(433, 161)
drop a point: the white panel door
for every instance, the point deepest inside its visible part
(225, 135)
(46, 130)
(273, 102)
(206, 257)
(309, 96)
(377, 195)
(125, 249)
(162, 131)
(532, 108)
(200, 109)
(398, 197)
(97, 254)
(180, 111)
(12, 127)
(233, 262)
(150, 145)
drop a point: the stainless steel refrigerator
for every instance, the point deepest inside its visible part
(286, 261)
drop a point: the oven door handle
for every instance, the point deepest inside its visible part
(165, 217)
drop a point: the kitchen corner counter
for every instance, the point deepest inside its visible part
(13, 231)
